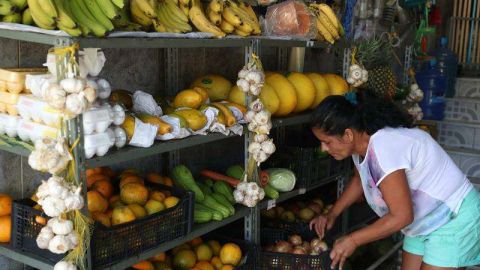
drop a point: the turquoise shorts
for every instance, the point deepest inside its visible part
(455, 244)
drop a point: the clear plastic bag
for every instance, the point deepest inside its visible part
(290, 18)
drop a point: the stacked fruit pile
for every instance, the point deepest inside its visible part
(297, 245)
(134, 201)
(5, 218)
(296, 92)
(328, 25)
(297, 211)
(15, 11)
(196, 255)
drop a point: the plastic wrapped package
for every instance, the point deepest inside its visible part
(30, 131)
(290, 18)
(8, 124)
(9, 98)
(13, 80)
(97, 120)
(37, 110)
(8, 108)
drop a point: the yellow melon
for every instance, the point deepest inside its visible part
(5, 228)
(269, 98)
(285, 92)
(138, 210)
(217, 86)
(195, 119)
(305, 90)
(336, 84)
(5, 204)
(134, 193)
(321, 87)
(236, 95)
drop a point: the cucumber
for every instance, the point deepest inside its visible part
(202, 215)
(222, 200)
(209, 182)
(205, 189)
(224, 189)
(183, 178)
(216, 215)
(212, 203)
(271, 192)
(235, 171)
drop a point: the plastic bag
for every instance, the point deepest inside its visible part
(145, 103)
(91, 62)
(290, 18)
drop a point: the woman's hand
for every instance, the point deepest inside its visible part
(342, 249)
(322, 222)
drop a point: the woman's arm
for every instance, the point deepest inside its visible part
(352, 193)
(396, 194)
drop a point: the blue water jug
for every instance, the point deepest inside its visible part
(447, 65)
(433, 84)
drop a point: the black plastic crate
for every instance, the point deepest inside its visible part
(286, 261)
(249, 250)
(300, 227)
(110, 244)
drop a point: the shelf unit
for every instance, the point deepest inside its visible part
(251, 45)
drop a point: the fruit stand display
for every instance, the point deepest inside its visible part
(138, 217)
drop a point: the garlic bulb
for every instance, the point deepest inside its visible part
(268, 147)
(43, 190)
(74, 201)
(354, 67)
(262, 117)
(243, 73)
(252, 188)
(261, 194)
(68, 84)
(63, 265)
(242, 186)
(76, 103)
(252, 126)
(73, 239)
(61, 226)
(256, 106)
(254, 77)
(243, 85)
(264, 129)
(249, 116)
(255, 89)
(90, 94)
(350, 80)
(53, 207)
(260, 156)
(238, 195)
(249, 202)
(55, 96)
(364, 75)
(44, 237)
(59, 244)
(356, 74)
(259, 138)
(254, 147)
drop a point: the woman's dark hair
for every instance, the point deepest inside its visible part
(335, 114)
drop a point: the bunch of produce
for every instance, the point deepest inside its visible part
(50, 156)
(296, 245)
(196, 255)
(357, 75)
(5, 217)
(297, 211)
(297, 92)
(15, 11)
(328, 25)
(134, 200)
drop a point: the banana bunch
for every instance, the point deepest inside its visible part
(199, 19)
(143, 12)
(11, 11)
(328, 25)
(237, 18)
(172, 18)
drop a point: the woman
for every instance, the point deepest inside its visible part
(406, 178)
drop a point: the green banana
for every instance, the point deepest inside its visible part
(48, 7)
(122, 20)
(176, 11)
(97, 13)
(163, 19)
(20, 4)
(6, 7)
(12, 18)
(64, 18)
(175, 21)
(74, 32)
(27, 17)
(132, 27)
(119, 3)
(39, 16)
(85, 30)
(108, 8)
(82, 16)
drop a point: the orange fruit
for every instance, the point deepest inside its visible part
(204, 265)
(171, 201)
(102, 218)
(104, 187)
(143, 265)
(5, 204)
(155, 178)
(215, 246)
(94, 178)
(122, 214)
(184, 259)
(90, 172)
(134, 193)
(227, 267)
(160, 257)
(96, 202)
(195, 241)
(216, 262)
(130, 179)
(138, 210)
(203, 252)
(230, 254)
(5, 229)
(107, 171)
(157, 195)
(167, 181)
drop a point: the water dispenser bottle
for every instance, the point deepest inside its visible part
(447, 64)
(433, 83)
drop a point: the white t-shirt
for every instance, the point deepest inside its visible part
(437, 186)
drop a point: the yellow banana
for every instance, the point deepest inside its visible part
(185, 8)
(98, 15)
(328, 25)
(214, 17)
(324, 32)
(108, 8)
(201, 22)
(64, 18)
(146, 8)
(216, 6)
(42, 19)
(245, 27)
(158, 26)
(48, 7)
(227, 27)
(74, 32)
(171, 23)
(327, 10)
(249, 10)
(241, 33)
(184, 2)
(230, 119)
(246, 19)
(175, 11)
(229, 15)
(27, 17)
(138, 15)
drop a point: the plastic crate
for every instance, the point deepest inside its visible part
(467, 160)
(463, 109)
(109, 244)
(249, 250)
(300, 227)
(286, 261)
(467, 87)
(459, 134)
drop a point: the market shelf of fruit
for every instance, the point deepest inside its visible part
(132, 153)
(197, 231)
(26, 258)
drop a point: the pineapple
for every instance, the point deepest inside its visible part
(375, 54)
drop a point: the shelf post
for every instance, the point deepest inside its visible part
(171, 88)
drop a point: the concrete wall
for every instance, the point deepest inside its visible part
(142, 69)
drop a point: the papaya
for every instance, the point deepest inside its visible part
(217, 87)
(195, 119)
(188, 98)
(123, 97)
(163, 127)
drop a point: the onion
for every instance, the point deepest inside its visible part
(298, 250)
(315, 244)
(313, 253)
(306, 246)
(283, 247)
(315, 207)
(323, 246)
(295, 239)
